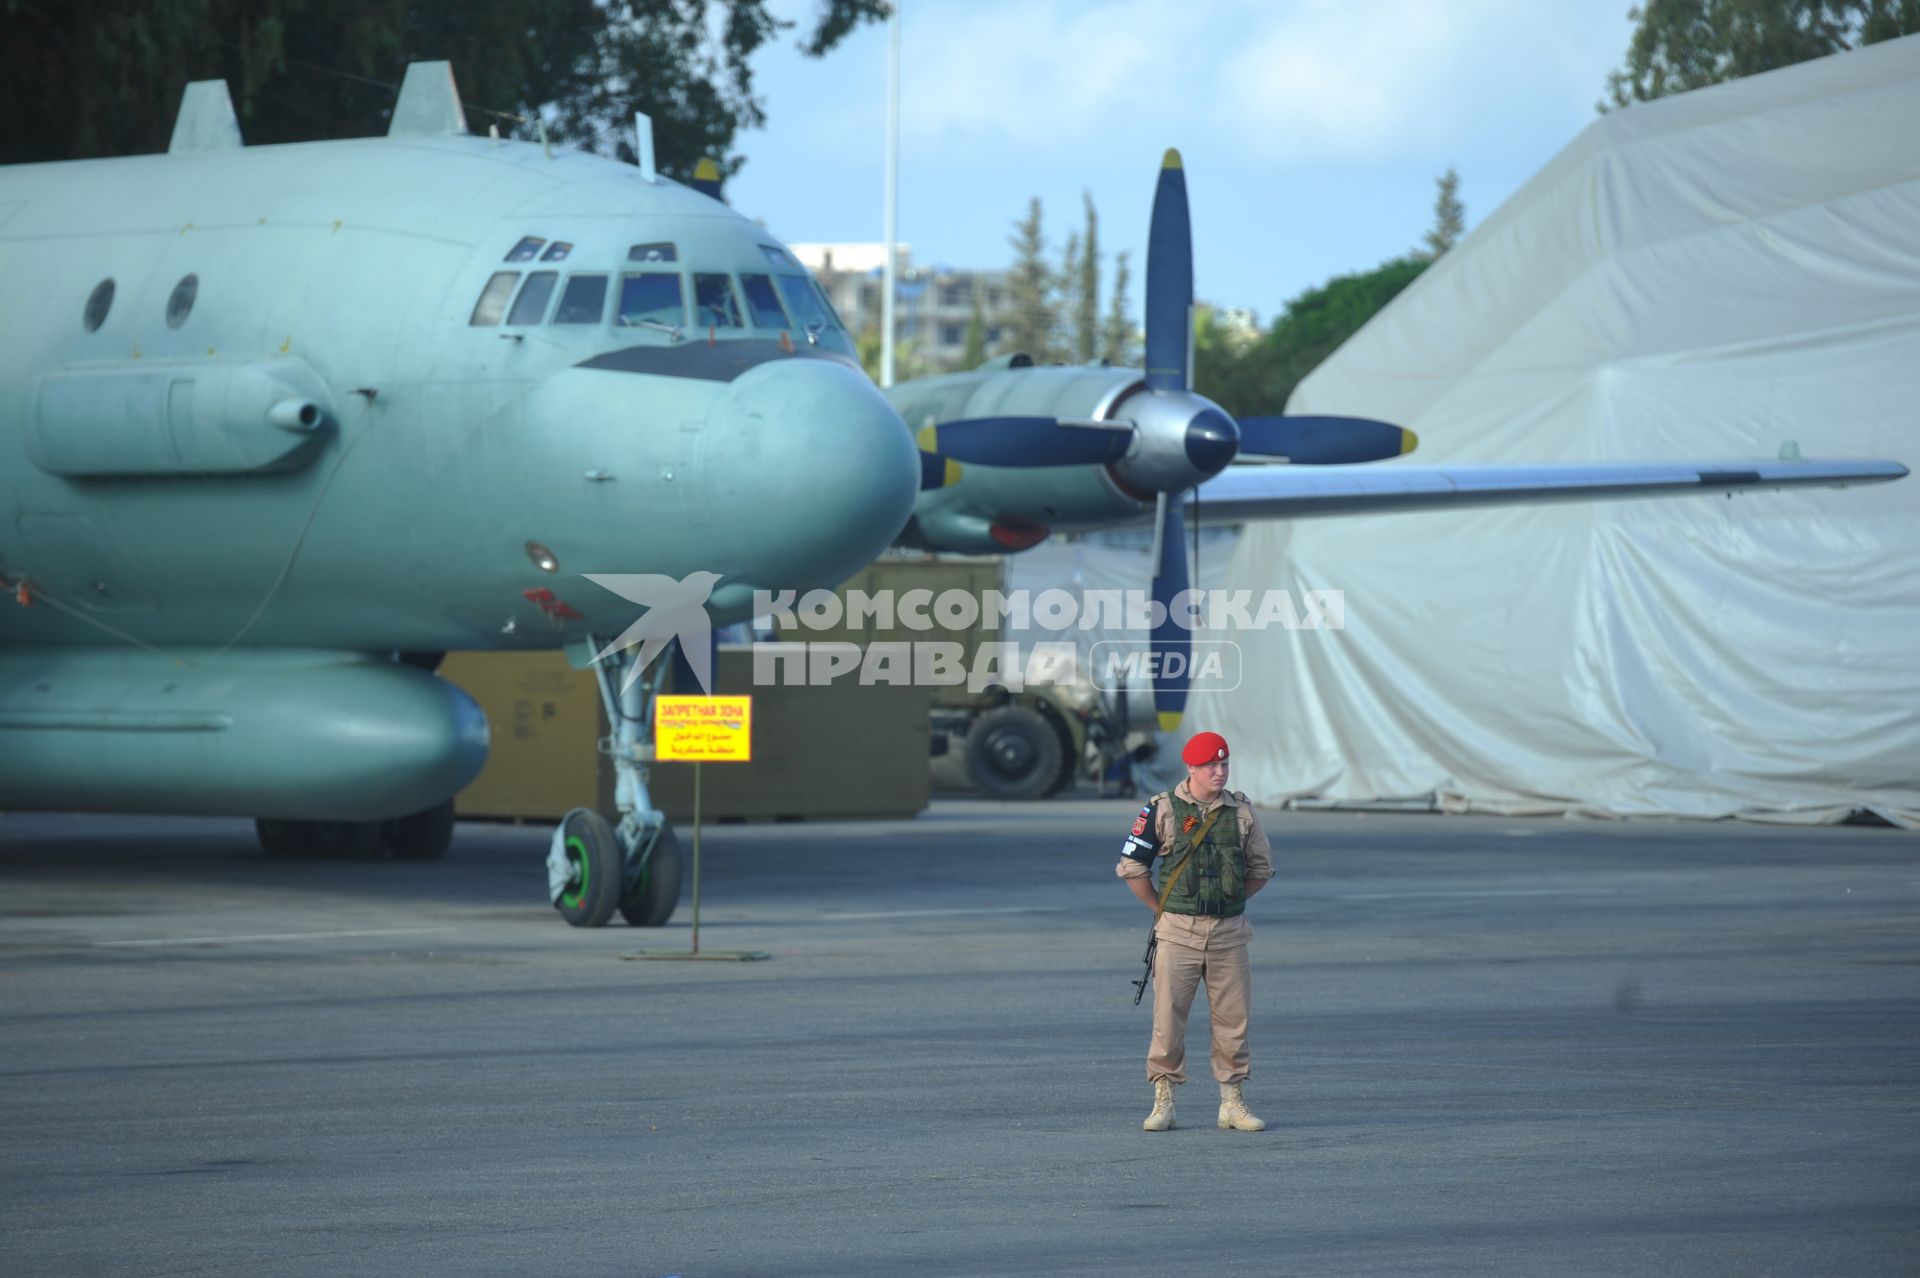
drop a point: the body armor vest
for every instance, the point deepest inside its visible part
(1215, 882)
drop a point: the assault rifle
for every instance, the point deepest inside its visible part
(1140, 986)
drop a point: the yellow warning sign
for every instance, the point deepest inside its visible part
(703, 729)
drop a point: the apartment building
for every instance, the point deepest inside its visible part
(932, 304)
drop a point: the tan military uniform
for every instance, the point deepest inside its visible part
(1195, 948)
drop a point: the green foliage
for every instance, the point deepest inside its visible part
(908, 363)
(1255, 377)
(1053, 311)
(1449, 215)
(1086, 298)
(1688, 44)
(1066, 299)
(1117, 334)
(84, 78)
(974, 353)
(1030, 316)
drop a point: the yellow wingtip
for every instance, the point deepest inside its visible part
(929, 442)
(1408, 441)
(1172, 159)
(1169, 721)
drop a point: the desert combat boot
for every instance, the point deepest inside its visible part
(1233, 1111)
(1161, 1119)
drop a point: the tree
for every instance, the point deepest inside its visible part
(1254, 379)
(907, 360)
(1117, 336)
(1449, 215)
(974, 353)
(1066, 300)
(1086, 311)
(1030, 288)
(1227, 367)
(1689, 44)
(104, 77)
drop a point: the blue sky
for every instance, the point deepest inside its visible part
(1312, 130)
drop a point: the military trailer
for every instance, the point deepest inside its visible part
(1018, 739)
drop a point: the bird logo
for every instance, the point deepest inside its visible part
(674, 610)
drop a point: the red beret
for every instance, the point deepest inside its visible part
(1205, 747)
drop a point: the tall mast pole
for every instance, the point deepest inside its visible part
(892, 195)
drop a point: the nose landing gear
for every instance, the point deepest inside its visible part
(596, 866)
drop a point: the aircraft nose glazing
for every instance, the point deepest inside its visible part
(1212, 440)
(811, 472)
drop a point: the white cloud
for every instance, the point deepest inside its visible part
(1356, 81)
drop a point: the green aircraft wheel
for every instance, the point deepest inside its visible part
(652, 901)
(594, 862)
(423, 836)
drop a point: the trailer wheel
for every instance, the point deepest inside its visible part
(1013, 753)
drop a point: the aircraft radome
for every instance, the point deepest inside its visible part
(279, 425)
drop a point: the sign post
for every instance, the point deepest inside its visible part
(702, 730)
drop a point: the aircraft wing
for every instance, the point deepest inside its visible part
(1300, 492)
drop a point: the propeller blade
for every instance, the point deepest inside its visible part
(937, 471)
(1324, 441)
(1171, 643)
(1028, 441)
(1170, 281)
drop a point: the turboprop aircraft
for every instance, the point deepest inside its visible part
(280, 425)
(1014, 452)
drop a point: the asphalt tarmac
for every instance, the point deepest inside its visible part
(1483, 1046)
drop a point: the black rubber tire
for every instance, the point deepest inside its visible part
(342, 840)
(1069, 770)
(423, 836)
(594, 850)
(1013, 753)
(281, 838)
(655, 897)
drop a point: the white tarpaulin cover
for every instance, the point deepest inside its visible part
(1707, 275)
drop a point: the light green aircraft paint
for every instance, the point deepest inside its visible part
(962, 517)
(242, 406)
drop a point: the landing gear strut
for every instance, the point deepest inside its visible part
(595, 866)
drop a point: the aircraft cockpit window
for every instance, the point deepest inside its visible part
(531, 306)
(557, 251)
(584, 302)
(525, 251)
(763, 302)
(803, 302)
(180, 304)
(826, 302)
(98, 305)
(652, 300)
(493, 298)
(714, 302)
(653, 253)
(779, 256)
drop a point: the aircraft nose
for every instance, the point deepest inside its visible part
(811, 472)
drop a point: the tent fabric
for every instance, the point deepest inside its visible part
(1708, 275)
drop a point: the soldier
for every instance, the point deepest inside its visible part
(1215, 856)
